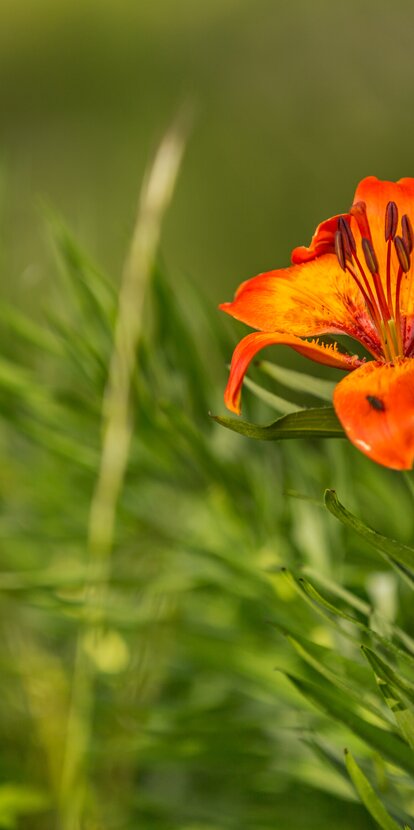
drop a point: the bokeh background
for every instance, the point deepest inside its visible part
(293, 102)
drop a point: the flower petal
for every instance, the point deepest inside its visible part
(314, 298)
(322, 242)
(375, 406)
(250, 345)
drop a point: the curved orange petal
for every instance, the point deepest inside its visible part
(314, 298)
(322, 242)
(375, 405)
(250, 345)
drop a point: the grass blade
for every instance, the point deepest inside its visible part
(368, 796)
(275, 401)
(393, 550)
(320, 422)
(336, 706)
(299, 381)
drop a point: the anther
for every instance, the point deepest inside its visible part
(347, 236)
(407, 233)
(402, 254)
(340, 250)
(391, 220)
(370, 256)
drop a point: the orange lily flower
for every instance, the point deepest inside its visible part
(355, 278)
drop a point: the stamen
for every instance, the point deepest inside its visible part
(372, 265)
(339, 250)
(389, 289)
(407, 233)
(380, 307)
(404, 260)
(391, 224)
(402, 254)
(347, 236)
(345, 249)
(368, 296)
(408, 237)
(370, 256)
(391, 220)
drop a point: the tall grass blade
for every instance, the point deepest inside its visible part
(368, 796)
(116, 440)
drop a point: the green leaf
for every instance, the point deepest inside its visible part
(387, 674)
(393, 689)
(277, 403)
(338, 590)
(357, 603)
(320, 422)
(334, 615)
(367, 795)
(299, 381)
(95, 293)
(336, 706)
(396, 552)
(346, 675)
(27, 330)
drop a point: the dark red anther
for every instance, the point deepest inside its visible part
(370, 256)
(407, 233)
(359, 212)
(347, 237)
(391, 220)
(340, 250)
(402, 254)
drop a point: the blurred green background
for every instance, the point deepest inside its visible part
(294, 102)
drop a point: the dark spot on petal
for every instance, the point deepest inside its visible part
(376, 403)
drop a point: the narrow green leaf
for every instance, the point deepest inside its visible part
(387, 674)
(299, 381)
(367, 795)
(277, 403)
(28, 330)
(393, 550)
(346, 675)
(94, 292)
(337, 706)
(338, 590)
(393, 689)
(334, 616)
(306, 423)
(329, 757)
(325, 754)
